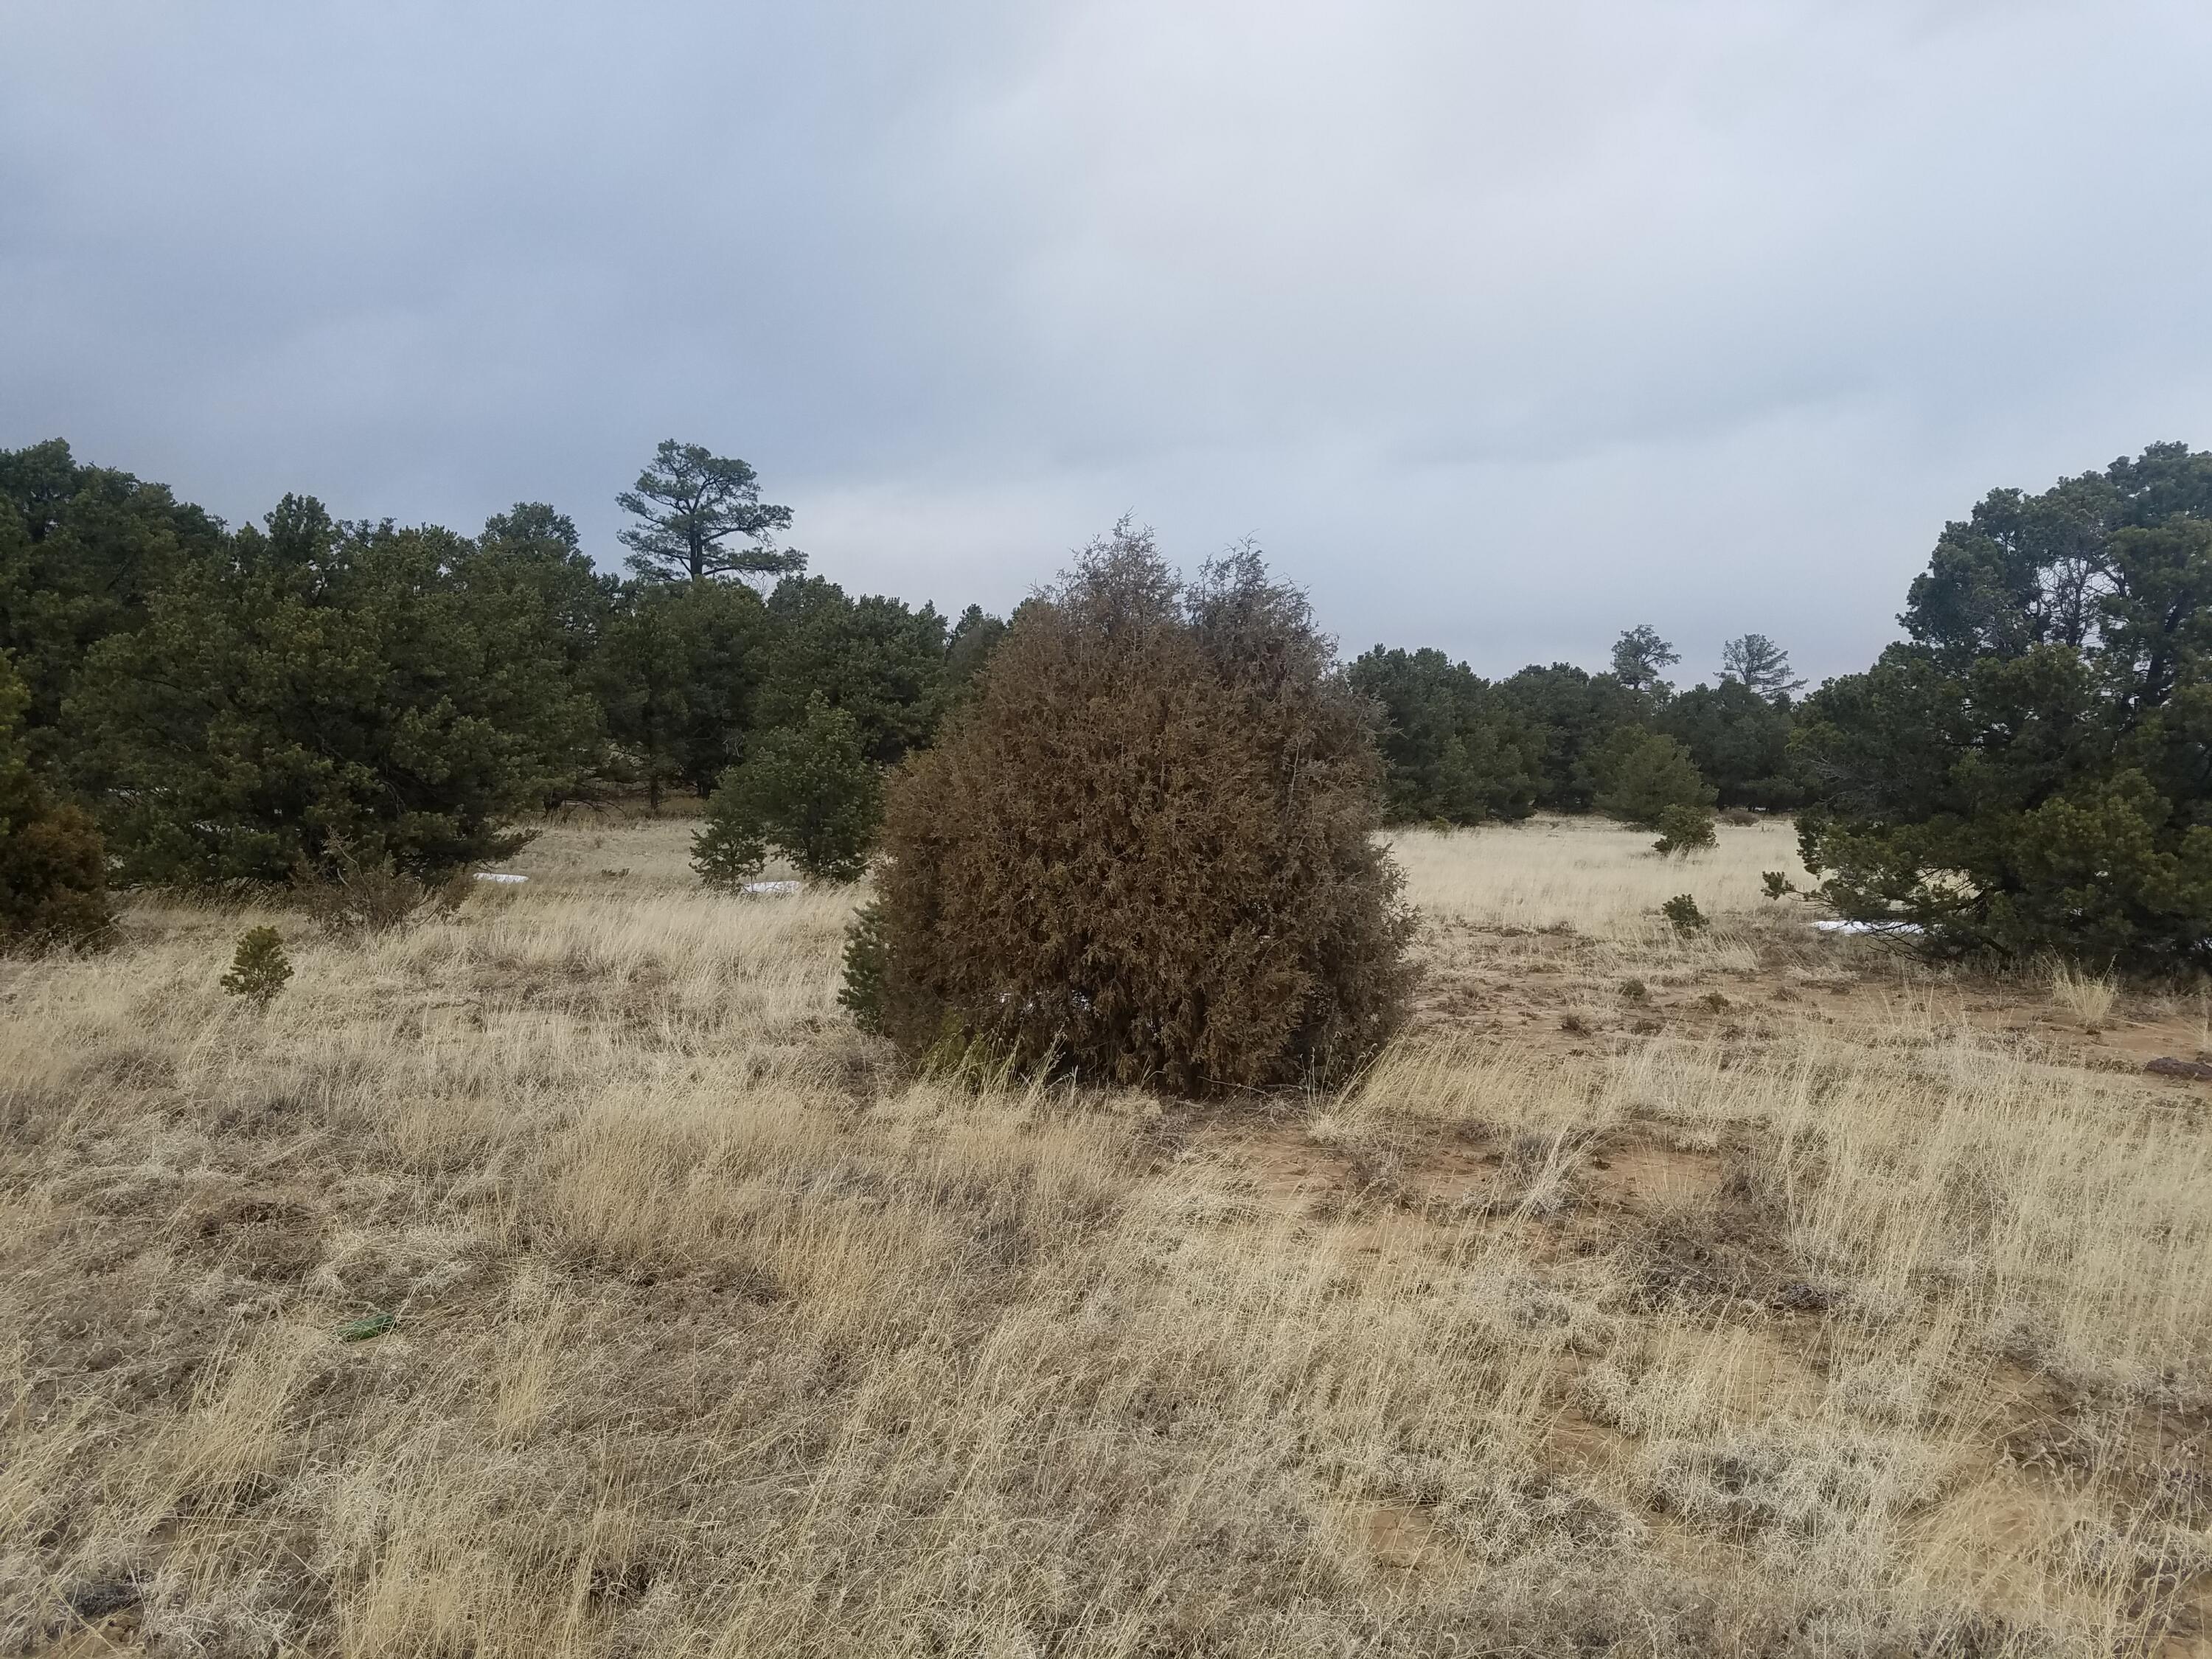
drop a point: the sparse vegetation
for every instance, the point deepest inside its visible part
(716, 1331)
(2088, 998)
(1117, 1230)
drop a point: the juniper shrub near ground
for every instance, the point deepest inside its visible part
(1145, 853)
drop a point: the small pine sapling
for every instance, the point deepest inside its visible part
(1685, 828)
(730, 848)
(258, 967)
(1778, 885)
(1682, 910)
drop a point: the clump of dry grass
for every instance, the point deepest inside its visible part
(2088, 997)
(1877, 1329)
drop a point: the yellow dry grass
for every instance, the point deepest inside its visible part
(1745, 1292)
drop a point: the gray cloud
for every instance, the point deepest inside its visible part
(1502, 326)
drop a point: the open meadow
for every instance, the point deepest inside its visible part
(1752, 1290)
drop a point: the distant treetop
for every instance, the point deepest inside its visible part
(691, 504)
(1759, 664)
(1640, 656)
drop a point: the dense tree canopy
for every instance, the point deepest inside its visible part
(53, 872)
(1739, 740)
(1576, 711)
(1641, 774)
(880, 662)
(1454, 749)
(321, 687)
(82, 549)
(808, 790)
(968, 649)
(2032, 769)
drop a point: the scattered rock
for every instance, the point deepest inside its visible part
(2167, 1065)
(1800, 1296)
(102, 1596)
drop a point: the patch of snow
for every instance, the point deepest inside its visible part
(771, 887)
(501, 876)
(1868, 927)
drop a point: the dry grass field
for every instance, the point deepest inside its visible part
(1755, 1291)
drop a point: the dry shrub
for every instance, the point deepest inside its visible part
(1145, 853)
(355, 896)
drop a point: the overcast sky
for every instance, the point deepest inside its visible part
(1502, 326)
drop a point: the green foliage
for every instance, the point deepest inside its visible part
(678, 677)
(729, 846)
(1684, 828)
(700, 515)
(1682, 910)
(1454, 750)
(1640, 657)
(533, 552)
(82, 549)
(968, 651)
(53, 872)
(1641, 774)
(810, 790)
(395, 691)
(1738, 741)
(872, 657)
(2032, 771)
(1574, 713)
(867, 949)
(1145, 853)
(258, 967)
(1760, 666)
(1778, 885)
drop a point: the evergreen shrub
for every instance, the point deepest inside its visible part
(1144, 854)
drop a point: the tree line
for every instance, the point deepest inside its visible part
(275, 701)
(2029, 768)
(1462, 750)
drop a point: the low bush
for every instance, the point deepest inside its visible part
(809, 790)
(348, 896)
(1684, 828)
(1641, 774)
